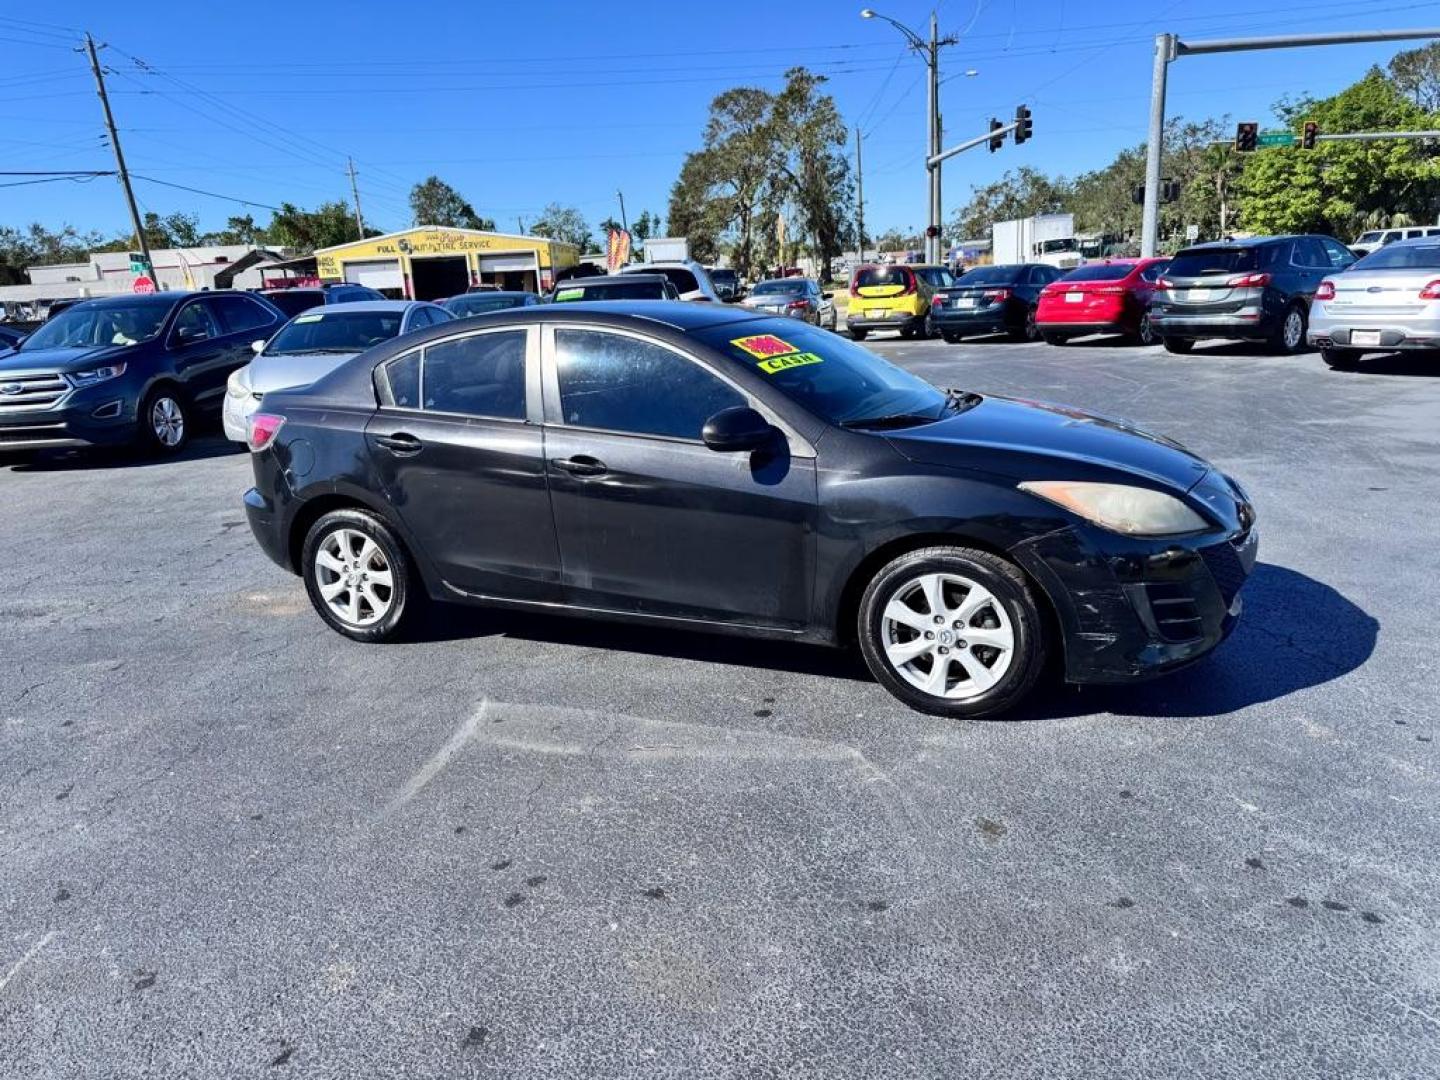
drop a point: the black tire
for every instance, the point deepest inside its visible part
(1341, 359)
(1281, 342)
(950, 339)
(928, 331)
(1027, 332)
(1181, 345)
(407, 599)
(1007, 587)
(858, 335)
(164, 421)
(1145, 334)
(1055, 339)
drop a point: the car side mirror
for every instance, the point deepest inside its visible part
(188, 335)
(257, 347)
(737, 428)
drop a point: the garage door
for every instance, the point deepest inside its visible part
(499, 264)
(380, 274)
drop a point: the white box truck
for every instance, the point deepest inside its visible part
(660, 249)
(1044, 238)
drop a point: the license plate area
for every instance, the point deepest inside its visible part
(1365, 337)
(1074, 297)
(963, 302)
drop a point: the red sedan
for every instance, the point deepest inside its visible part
(1109, 297)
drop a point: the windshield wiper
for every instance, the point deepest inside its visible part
(312, 352)
(891, 420)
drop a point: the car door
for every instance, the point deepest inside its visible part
(457, 447)
(243, 321)
(199, 352)
(649, 519)
(1308, 264)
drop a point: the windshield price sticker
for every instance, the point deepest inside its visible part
(570, 294)
(781, 363)
(764, 346)
(307, 318)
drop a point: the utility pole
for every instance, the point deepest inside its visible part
(1169, 48)
(120, 160)
(623, 223)
(859, 197)
(355, 191)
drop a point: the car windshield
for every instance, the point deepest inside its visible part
(1401, 257)
(1368, 237)
(475, 303)
(293, 301)
(937, 276)
(611, 290)
(723, 276)
(85, 326)
(335, 331)
(787, 285)
(1049, 246)
(990, 275)
(1204, 262)
(837, 380)
(1099, 272)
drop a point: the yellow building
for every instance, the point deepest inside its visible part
(433, 262)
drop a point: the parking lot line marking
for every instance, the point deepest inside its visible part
(48, 937)
(442, 757)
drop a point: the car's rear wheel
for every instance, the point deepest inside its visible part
(858, 335)
(1341, 359)
(950, 339)
(359, 577)
(164, 420)
(1028, 331)
(952, 631)
(1055, 339)
(1181, 345)
(1288, 337)
(1145, 333)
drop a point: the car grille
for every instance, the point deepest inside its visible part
(1177, 616)
(31, 391)
(1225, 567)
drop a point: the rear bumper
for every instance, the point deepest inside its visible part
(1132, 608)
(1103, 326)
(267, 527)
(901, 321)
(1248, 324)
(1328, 331)
(970, 320)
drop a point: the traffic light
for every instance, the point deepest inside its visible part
(1246, 133)
(1137, 194)
(996, 141)
(1312, 129)
(1169, 190)
(1024, 126)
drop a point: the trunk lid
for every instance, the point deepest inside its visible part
(1380, 292)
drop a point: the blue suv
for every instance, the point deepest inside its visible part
(128, 370)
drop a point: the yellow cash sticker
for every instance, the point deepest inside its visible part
(781, 363)
(763, 346)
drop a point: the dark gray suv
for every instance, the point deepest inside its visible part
(1256, 289)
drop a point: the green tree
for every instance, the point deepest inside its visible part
(645, 226)
(566, 224)
(434, 202)
(327, 225)
(1337, 187)
(1416, 74)
(1019, 193)
(36, 245)
(816, 171)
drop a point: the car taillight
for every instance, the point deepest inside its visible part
(798, 304)
(1431, 291)
(994, 295)
(1326, 291)
(1249, 281)
(1164, 283)
(911, 283)
(1110, 290)
(262, 431)
(937, 301)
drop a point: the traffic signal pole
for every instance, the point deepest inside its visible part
(1168, 48)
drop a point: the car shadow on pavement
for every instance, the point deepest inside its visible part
(456, 622)
(1423, 365)
(43, 461)
(1294, 633)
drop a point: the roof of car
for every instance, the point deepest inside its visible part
(158, 298)
(488, 294)
(1409, 241)
(1246, 241)
(368, 305)
(601, 279)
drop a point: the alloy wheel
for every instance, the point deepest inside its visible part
(167, 421)
(947, 635)
(354, 578)
(1147, 333)
(1294, 328)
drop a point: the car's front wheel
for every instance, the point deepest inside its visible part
(950, 338)
(164, 418)
(1055, 339)
(858, 335)
(359, 577)
(1180, 345)
(952, 631)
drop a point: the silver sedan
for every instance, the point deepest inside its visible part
(795, 297)
(1387, 301)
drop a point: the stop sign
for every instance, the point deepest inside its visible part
(144, 285)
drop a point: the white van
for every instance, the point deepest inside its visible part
(1375, 239)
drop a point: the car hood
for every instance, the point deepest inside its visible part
(63, 360)
(1032, 440)
(267, 373)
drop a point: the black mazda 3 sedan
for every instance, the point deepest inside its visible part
(703, 467)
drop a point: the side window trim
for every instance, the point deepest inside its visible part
(554, 416)
(532, 415)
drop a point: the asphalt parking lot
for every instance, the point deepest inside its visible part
(233, 843)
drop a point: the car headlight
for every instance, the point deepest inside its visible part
(1135, 511)
(238, 385)
(97, 375)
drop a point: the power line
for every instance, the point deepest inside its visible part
(200, 191)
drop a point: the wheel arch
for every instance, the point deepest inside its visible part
(316, 507)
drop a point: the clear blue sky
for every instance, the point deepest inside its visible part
(519, 104)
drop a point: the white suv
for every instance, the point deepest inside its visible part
(691, 280)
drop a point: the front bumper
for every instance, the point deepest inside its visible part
(1382, 334)
(235, 416)
(100, 415)
(1131, 608)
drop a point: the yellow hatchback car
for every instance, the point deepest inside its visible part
(894, 298)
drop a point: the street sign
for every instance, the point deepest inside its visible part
(143, 284)
(1192, 232)
(137, 264)
(1275, 138)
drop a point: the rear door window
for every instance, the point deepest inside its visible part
(478, 375)
(196, 318)
(239, 313)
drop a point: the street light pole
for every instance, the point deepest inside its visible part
(623, 223)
